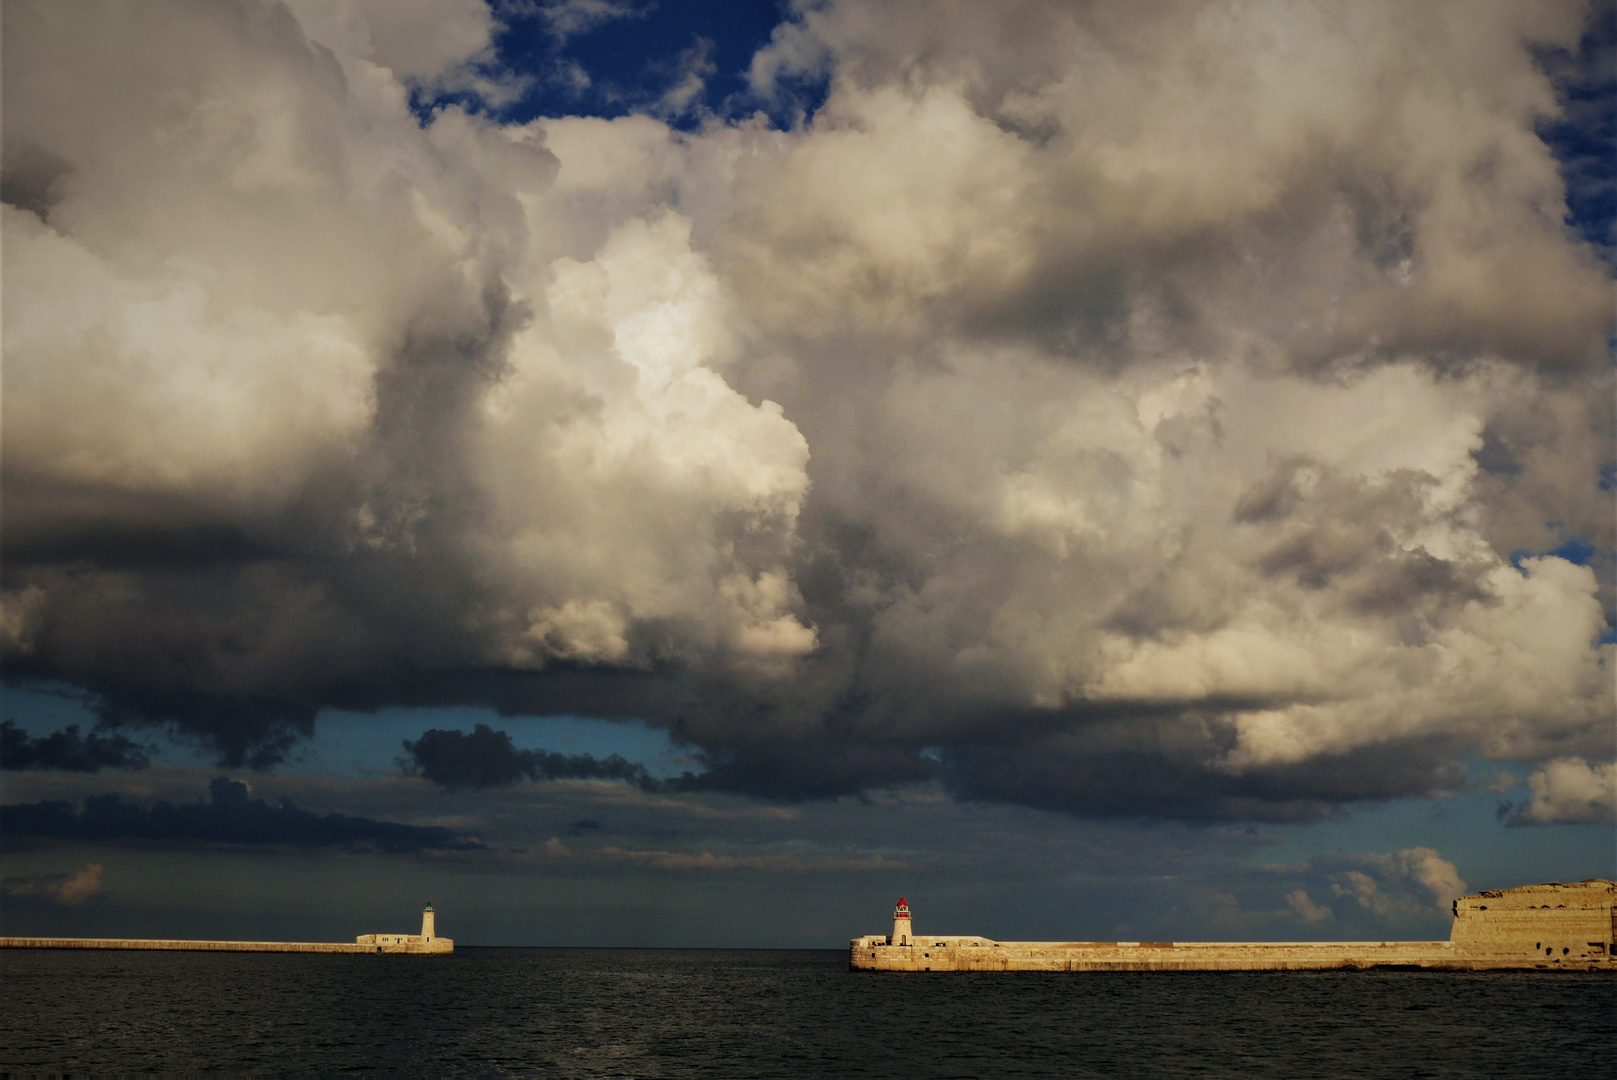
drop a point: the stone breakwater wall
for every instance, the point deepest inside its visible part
(439, 945)
(1550, 927)
(947, 954)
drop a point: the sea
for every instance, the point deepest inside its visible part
(760, 1013)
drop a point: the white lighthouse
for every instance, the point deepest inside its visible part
(428, 929)
(901, 924)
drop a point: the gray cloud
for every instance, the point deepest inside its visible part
(62, 889)
(230, 816)
(1124, 410)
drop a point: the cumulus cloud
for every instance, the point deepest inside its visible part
(1408, 869)
(1409, 887)
(1338, 896)
(69, 891)
(67, 750)
(430, 46)
(1570, 790)
(1128, 410)
(1311, 912)
(230, 816)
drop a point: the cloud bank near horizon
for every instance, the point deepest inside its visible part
(1004, 870)
(1169, 412)
(229, 816)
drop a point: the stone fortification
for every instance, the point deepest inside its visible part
(425, 942)
(1540, 925)
(1550, 927)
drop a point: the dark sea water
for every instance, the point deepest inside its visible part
(743, 1013)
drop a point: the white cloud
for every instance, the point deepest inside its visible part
(1571, 790)
(567, 18)
(616, 414)
(1311, 912)
(1406, 884)
(147, 381)
(436, 45)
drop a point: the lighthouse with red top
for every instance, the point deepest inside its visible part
(901, 924)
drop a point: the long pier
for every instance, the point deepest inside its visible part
(427, 941)
(441, 945)
(929, 953)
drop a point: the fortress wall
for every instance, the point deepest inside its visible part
(1554, 922)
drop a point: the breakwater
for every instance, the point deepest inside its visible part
(1549, 927)
(442, 945)
(427, 941)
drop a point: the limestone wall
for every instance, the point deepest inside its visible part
(934, 954)
(1551, 923)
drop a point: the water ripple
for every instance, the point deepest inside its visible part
(670, 1013)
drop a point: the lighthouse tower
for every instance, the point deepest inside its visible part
(901, 924)
(428, 927)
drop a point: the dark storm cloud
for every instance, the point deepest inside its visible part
(792, 771)
(1119, 433)
(488, 758)
(230, 816)
(68, 750)
(1065, 775)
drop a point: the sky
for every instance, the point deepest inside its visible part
(684, 474)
